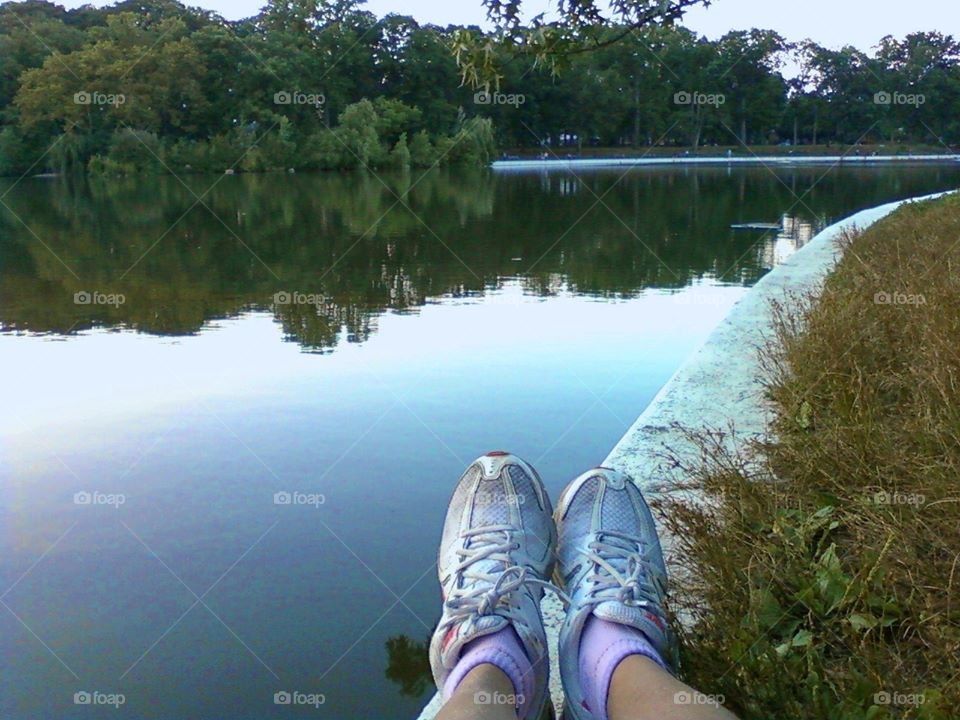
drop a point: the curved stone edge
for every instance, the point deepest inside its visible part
(717, 387)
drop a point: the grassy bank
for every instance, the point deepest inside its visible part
(825, 572)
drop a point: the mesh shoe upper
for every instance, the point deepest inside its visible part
(496, 555)
(611, 564)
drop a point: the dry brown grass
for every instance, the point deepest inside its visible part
(826, 581)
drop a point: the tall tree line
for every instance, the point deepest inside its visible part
(323, 84)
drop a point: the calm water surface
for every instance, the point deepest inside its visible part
(180, 359)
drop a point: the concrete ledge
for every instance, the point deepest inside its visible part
(717, 387)
(571, 163)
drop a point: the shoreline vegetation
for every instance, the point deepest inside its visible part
(159, 87)
(426, 156)
(822, 568)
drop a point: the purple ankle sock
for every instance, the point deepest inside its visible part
(503, 649)
(603, 645)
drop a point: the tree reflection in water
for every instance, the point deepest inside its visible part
(408, 665)
(355, 246)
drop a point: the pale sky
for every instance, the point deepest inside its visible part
(830, 22)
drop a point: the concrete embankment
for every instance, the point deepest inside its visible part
(718, 387)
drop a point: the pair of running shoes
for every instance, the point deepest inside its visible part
(501, 545)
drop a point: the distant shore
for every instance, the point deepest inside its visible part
(799, 159)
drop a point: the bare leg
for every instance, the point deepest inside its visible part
(484, 694)
(641, 690)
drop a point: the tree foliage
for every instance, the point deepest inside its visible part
(323, 84)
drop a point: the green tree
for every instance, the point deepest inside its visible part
(747, 65)
(923, 70)
(400, 155)
(358, 133)
(845, 81)
(580, 27)
(143, 77)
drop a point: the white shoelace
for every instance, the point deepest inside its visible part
(490, 593)
(622, 572)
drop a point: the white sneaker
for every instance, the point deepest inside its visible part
(611, 565)
(496, 555)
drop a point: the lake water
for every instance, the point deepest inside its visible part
(180, 359)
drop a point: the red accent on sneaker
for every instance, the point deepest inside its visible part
(497, 453)
(451, 634)
(654, 619)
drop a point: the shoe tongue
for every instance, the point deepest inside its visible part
(480, 625)
(486, 566)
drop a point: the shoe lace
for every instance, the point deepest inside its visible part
(622, 571)
(483, 588)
